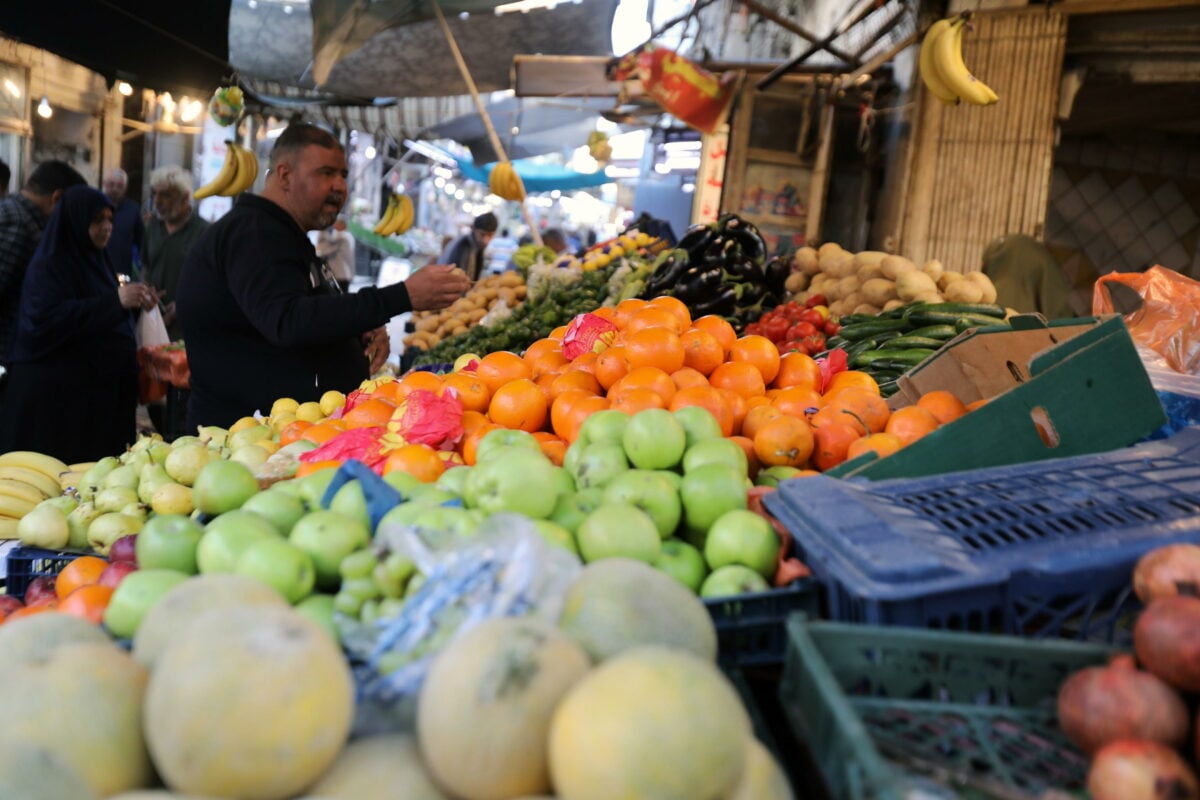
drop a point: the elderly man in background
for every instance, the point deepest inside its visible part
(125, 245)
(335, 244)
(169, 236)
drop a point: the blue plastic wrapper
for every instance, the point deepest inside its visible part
(379, 495)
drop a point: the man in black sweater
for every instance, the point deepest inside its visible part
(262, 316)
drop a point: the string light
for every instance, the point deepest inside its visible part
(43, 109)
(124, 88)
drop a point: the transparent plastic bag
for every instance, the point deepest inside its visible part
(1161, 309)
(505, 570)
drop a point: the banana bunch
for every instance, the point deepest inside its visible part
(397, 218)
(26, 479)
(236, 176)
(505, 182)
(942, 67)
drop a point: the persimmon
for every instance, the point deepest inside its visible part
(786, 441)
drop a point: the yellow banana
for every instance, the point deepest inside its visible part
(8, 528)
(15, 506)
(388, 218)
(22, 491)
(505, 182)
(948, 62)
(82, 466)
(38, 480)
(68, 479)
(403, 219)
(49, 466)
(227, 175)
(247, 172)
(929, 74)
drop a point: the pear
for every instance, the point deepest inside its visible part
(172, 498)
(184, 463)
(213, 435)
(44, 526)
(114, 499)
(107, 528)
(78, 522)
(124, 476)
(96, 474)
(150, 479)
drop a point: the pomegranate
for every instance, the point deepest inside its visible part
(1166, 639)
(124, 549)
(1132, 769)
(39, 589)
(1168, 571)
(1098, 705)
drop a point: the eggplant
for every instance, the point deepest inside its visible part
(697, 283)
(667, 273)
(749, 294)
(697, 239)
(723, 303)
(777, 272)
(746, 235)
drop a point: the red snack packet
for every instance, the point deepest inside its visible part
(683, 88)
(831, 365)
(359, 443)
(428, 418)
(587, 333)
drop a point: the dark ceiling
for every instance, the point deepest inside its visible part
(161, 44)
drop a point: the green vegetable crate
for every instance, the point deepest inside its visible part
(897, 713)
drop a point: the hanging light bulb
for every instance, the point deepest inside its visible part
(43, 109)
(124, 88)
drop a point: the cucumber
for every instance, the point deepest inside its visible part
(976, 321)
(854, 319)
(908, 357)
(913, 340)
(866, 330)
(935, 332)
(888, 336)
(923, 318)
(895, 313)
(854, 348)
(984, 309)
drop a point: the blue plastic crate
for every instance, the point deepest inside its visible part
(750, 627)
(23, 564)
(1041, 549)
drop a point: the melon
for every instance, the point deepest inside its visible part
(651, 722)
(248, 702)
(762, 779)
(383, 767)
(30, 771)
(485, 708)
(34, 639)
(618, 603)
(157, 794)
(84, 702)
(181, 605)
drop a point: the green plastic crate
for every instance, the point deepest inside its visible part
(884, 710)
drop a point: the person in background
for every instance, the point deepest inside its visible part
(170, 235)
(335, 244)
(1027, 277)
(261, 314)
(554, 239)
(467, 251)
(125, 244)
(22, 218)
(500, 251)
(73, 388)
(5, 177)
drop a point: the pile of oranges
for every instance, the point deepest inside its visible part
(776, 407)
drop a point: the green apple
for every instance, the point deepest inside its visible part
(698, 423)
(556, 535)
(652, 493)
(223, 486)
(773, 476)
(169, 541)
(573, 508)
(319, 609)
(718, 451)
(228, 536)
(391, 575)
(522, 481)
(742, 537)
(674, 477)
(107, 528)
(328, 537)
(404, 514)
(312, 486)
(574, 455)
(495, 440)
(707, 492)
(619, 529)
(281, 565)
(172, 498)
(607, 425)
(452, 480)
(654, 439)
(402, 482)
(135, 595)
(430, 494)
(350, 502)
(598, 464)
(733, 579)
(563, 482)
(123, 477)
(458, 521)
(358, 564)
(682, 562)
(184, 462)
(77, 524)
(281, 509)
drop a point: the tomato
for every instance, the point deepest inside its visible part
(831, 327)
(814, 343)
(775, 329)
(800, 330)
(816, 300)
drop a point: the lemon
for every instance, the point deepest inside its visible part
(281, 421)
(270, 445)
(310, 411)
(284, 405)
(331, 401)
(242, 424)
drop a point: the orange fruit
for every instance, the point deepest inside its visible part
(974, 404)
(677, 307)
(701, 351)
(322, 432)
(798, 369)
(654, 347)
(574, 379)
(540, 348)
(740, 377)
(309, 467)
(470, 442)
(759, 351)
(624, 311)
(369, 414)
(29, 611)
(419, 460)
(945, 406)
(747, 445)
(88, 602)
(757, 417)
(558, 333)
(83, 571)
(497, 369)
(851, 377)
(910, 423)
(472, 420)
(553, 447)
(718, 327)
(884, 444)
(585, 362)
(417, 379)
(546, 362)
(653, 317)
(686, 376)
(635, 399)
(651, 378)
(796, 400)
(611, 366)
(738, 407)
(786, 441)
(709, 398)
(831, 443)
(520, 405)
(471, 392)
(605, 312)
(869, 409)
(292, 431)
(570, 409)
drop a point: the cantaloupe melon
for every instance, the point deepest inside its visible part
(30, 771)
(32, 640)
(180, 606)
(485, 707)
(618, 603)
(762, 779)
(158, 794)
(384, 767)
(652, 722)
(84, 702)
(248, 702)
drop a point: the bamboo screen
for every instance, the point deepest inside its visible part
(982, 172)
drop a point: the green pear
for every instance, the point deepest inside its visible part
(44, 526)
(124, 476)
(150, 479)
(78, 522)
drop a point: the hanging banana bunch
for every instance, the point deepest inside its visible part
(942, 68)
(397, 217)
(505, 182)
(237, 174)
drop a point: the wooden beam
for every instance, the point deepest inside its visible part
(1117, 6)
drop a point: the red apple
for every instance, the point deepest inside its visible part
(115, 572)
(124, 549)
(40, 589)
(8, 605)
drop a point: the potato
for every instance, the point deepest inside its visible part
(912, 283)
(867, 257)
(839, 266)
(868, 272)
(819, 283)
(984, 283)
(933, 268)
(830, 249)
(838, 308)
(890, 304)
(964, 292)
(521, 291)
(805, 260)
(796, 282)
(852, 299)
(929, 297)
(866, 308)
(894, 266)
(847, 286)
(948, 278)
(878, 291)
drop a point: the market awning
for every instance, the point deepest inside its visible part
(537, 177)
(527, 127)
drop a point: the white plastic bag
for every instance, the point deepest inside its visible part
(151, 330)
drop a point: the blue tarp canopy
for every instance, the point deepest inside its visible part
(537, 177)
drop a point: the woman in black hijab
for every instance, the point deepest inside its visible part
(72, 387)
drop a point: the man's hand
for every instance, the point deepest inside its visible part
(436, 286)
(377, 347)
(169, 313)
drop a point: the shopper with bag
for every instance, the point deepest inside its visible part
(72, 391)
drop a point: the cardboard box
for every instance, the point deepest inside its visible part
(1057, 389)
